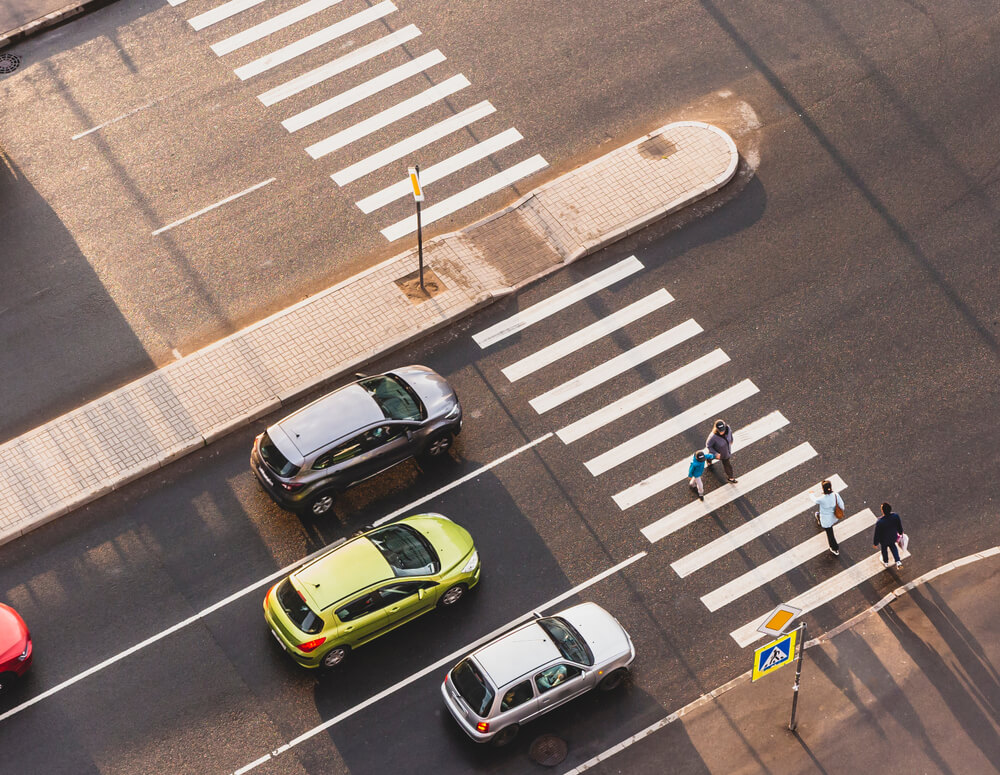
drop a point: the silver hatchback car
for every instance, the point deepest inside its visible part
(354, 433)
(534, 668)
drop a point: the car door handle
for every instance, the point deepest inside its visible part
(394, 609)
(348, 628)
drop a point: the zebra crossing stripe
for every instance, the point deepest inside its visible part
(742, 438)
(648, 439)
(748, 531)
(587, 335)
(557, 302)
(618, 365)
(749, 481)
(363, 91)
(780, 565)
(317, 39)
(224, 11)
(819, 595)
(650, 392)
(339, 65)
(413, 143)
(388, 116)
(465, 198)
(279, 22)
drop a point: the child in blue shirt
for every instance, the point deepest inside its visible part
(695, 471)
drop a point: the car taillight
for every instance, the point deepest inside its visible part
(483, 726)
(291, 486)
(312, 645)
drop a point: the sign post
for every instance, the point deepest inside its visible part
(798, 674)
(418, 197)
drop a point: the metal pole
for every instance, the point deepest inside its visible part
(420, 239)
(798, 674)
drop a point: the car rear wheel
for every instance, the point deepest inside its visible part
(335, 656)
(321, 503)
(612, 680)
(452, 595)
(505, 736)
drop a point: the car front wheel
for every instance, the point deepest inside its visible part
(439, 445)
(452, 595)
(612, 680)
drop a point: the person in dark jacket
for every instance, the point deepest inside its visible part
(720, 443)
(888, 529)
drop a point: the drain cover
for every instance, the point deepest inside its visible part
(9, 62)
(548, 750)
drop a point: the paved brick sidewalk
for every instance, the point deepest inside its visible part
(109, 442)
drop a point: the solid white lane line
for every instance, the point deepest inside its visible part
(748, 482)
(265, 28)
(822, 593)
(388, 116)
(224, 11)
(315, 40)
(448, 660)
(115, 120)
(437, 171)
(465, 198)
(616, 366)
(748, 531)
(204, 210)
(669, 428)
(587, 335)
(784, 562)
(339, 65)
(361, 91)
(478, 472)
(644, 395)
(413, 143)
(661, 480)
(557, 302)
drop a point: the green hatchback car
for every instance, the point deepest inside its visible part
(369, 585)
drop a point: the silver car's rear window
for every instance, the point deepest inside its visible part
(569, 642)
(470, 683)
(395, 398)
(273, 457)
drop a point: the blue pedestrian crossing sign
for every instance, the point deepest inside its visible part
(775, 654)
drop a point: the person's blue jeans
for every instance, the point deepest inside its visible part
(885, 554)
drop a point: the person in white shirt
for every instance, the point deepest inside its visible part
(826, 516)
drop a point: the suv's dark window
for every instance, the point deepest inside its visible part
(363, 605)
(273, 457)
(395, 398)
(567, 640)
(339, 454)
(298, 610)
(473, 687)
(408, 552)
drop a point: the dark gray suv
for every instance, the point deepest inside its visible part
(354, 433)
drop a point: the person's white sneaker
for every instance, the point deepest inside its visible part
(899, 566)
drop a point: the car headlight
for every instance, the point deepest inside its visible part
(472, 563)
(454, 412)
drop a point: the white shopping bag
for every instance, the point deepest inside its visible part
(903, 541)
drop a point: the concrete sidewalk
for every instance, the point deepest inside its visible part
(911, 688)
(180, 408)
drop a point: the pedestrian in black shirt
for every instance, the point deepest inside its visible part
(888, 529)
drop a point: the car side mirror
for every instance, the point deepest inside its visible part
(421, 594)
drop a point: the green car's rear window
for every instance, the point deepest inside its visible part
(298, 610)
(473, 687)
(408, 552)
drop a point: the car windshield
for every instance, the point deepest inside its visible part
(473, 687)
(273, 457)
(298, 611)
(408, 552)
(394, 397)
(569, 642)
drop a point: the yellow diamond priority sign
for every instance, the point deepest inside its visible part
(775, 654)
(776, 622)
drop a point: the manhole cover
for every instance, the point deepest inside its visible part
(548, 750)
(9, 62)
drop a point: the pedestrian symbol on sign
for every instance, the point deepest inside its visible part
(775, 654)
(775, 658)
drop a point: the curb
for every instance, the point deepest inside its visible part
(50, 20)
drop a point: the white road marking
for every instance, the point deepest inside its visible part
(616, 366)
(315, 40)
(438, 171)
(820, 594)
(557, 302)
(649, 392)
(784, 562)
(465, 198)
(224, 11)
(339, 65)
(661, 480)
(451, 658)
(115, 120)
(748, 531)
(388, 116)
(362, 91)
(749, 481)
(204, 210)
(669, 428)
(413, 143)
(265, 28)
(587, 335)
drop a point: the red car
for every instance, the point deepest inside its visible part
(15, 646)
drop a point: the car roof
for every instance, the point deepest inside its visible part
(516, 653)
(341, 572)
(331, 417)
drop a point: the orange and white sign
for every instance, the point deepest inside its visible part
(418, 192)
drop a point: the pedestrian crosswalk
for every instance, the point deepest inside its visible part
(462, 158)
(708, 392)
